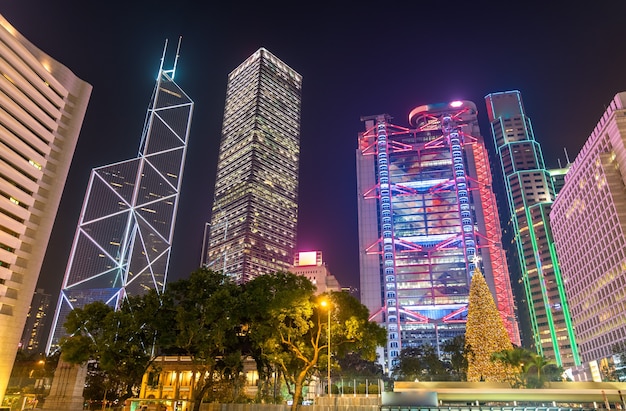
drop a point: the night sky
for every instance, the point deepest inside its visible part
(358, 60)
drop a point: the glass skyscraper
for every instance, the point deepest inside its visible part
(530, 194)
(124, 235)
(42, 107)
(426, 215)
(255, 209)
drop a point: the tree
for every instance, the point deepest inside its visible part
(288, 326)
(120, 342)
(421, 364)
(354, 366)
(455, 351)
(538, 369)
(485, 334)
(206, 318)
(533, 370)
(410, 365)
(515, 358)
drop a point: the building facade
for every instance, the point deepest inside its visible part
(42, 107)
(426, 212)
(589, 225)
(255, 208)
(530, 193)
(311, 265)
(33, 339)
(124, 235)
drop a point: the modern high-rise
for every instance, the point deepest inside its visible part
(530, 194)
(426, 215)
(33, 340)
(589, 225)
(42, 107)
(125, 229)
(255, 208)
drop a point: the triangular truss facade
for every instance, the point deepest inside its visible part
(124, 236)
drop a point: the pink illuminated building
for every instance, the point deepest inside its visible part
(426, 216)
(589, 225)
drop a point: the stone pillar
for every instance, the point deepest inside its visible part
(66, 392)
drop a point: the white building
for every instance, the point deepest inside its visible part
(42, 107)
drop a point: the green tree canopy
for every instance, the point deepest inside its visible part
(205, 315)
(121, 342)
(289, 326)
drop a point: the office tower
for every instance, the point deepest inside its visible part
(530, 194)
(32, 340)
(255, 208)
(426, 212)
(557, 176)
(42, 107)
(124, 235)
(311, 265)
(589, 226)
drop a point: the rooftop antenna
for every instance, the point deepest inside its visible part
(559, 160)
(172, 71)
(566, 155)
(162, 58)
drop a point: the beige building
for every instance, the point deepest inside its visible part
(311, 265)
(170, 387)
(589, 226)
(42, 107)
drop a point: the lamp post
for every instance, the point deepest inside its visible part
(326, 304)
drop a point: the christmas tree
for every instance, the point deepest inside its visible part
(485, 335)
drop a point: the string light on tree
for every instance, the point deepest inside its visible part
(485, 334)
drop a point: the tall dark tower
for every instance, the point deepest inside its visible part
(255, 209)
(530, 194)
(124, 235)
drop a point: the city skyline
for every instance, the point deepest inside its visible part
(351, 70)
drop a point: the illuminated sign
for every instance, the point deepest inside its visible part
(307, 258)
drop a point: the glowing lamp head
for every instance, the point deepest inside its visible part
(456, 104)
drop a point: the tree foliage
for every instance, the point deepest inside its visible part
(120, 342)
(277, 319)
(205, 315)
(422, 363)
(533, 370)
(354, 366)
(456, 355)
(289, 326)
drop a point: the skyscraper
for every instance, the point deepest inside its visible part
(589, 225)
(33, 340)
(42, 107)
(255, 208)
(426, 212)
(530, 193)
(124, 235)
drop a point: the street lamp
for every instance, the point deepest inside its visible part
(326, 304)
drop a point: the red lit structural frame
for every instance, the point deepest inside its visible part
(438, 137)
